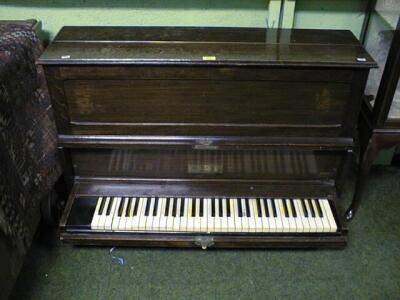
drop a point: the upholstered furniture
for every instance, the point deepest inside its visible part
(28, 161)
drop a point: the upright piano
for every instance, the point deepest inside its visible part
(205, 137)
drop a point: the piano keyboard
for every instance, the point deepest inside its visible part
(209, 215)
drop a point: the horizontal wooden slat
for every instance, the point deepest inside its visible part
(221, 142)
(200, 73)
(194, 53)
(204, 34)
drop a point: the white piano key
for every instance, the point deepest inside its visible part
(123, 218)
(274, 222)
(264, 219)
(235, 212)
(329, 214)
(96, 215)
(210, 218)
(257, 217)
(311, 220)
(203, 220)
(253, 213)
(157, 217)
(231, 219)
(224, 219)
(244, 218)
(163, 216)
(217, 220)
(136, 218)
(170, 218)
(149, 219)
(325, 221)
(299, 220)
(128, 225)
(102, 219)
(142, 217)
(190, 218)
(177, 218)
(196, 223)
(109, 217)
(116, 218)
(305, 220)
(184, 218)
(292, 221)
(318, 219)
(281, 215)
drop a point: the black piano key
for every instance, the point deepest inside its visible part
(319, 208)
(147, 208)
(228, 207)
(285, 209)
(183, 202)
(155, 207)
(259, 213)
(135, 209)
(274, 208)
(220, 208)
(311, 208)
(240, 213)
(103, 202)
(128, 208)
(193, 207)
(201, 207)
(266, 209)
(166, 208)
(303, 205)
(174, 203)
(246, 201)
(121, 207)
(213, 207)
(293, 208)
(109, 206)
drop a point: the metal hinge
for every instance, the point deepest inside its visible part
(204, 241)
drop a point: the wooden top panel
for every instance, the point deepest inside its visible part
(204, 35)
(206, 46)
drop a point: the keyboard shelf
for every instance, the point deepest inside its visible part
(82, 202)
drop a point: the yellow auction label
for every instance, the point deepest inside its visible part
(209, 58)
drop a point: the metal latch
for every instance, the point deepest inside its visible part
(204, 241)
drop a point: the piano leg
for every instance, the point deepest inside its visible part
(366, 160)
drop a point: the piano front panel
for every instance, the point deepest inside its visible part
(266, 164)
(200, 101)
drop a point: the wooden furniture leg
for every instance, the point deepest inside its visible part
(367, 158)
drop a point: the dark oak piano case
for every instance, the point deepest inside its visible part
(204, 112)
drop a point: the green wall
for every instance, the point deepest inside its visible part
(330, 14)
(346, 14)
(56, 13)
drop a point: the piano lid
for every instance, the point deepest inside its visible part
(207, 46)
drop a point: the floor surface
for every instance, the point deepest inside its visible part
(368, 268)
